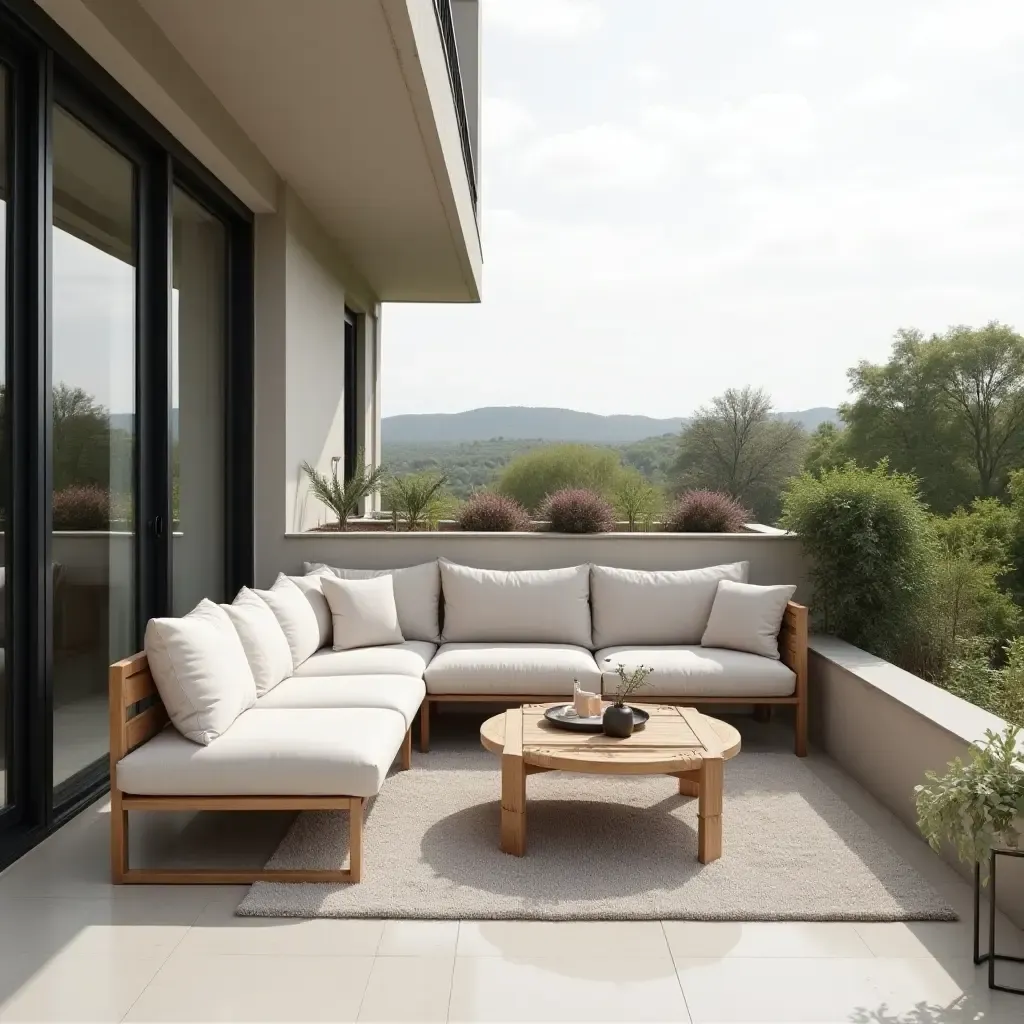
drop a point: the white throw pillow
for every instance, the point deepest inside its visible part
(637, 606)
(293, 611)
(524, 606)
(200, 670)
(313, 590)
(747, 618)
(364, 611)
(263, 640)
(417, 595)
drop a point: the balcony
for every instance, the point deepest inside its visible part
(76, 947)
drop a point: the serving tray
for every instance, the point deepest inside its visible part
(557, 716)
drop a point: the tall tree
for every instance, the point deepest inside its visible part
(981, 375)
(736, 445)
(948, 409)
(826, 448)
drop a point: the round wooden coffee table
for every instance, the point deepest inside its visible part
(677, 741)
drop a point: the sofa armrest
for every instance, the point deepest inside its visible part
(793, 642)
(136, 711)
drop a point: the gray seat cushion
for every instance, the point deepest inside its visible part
(406, 659)
(403, 694)
(691, 671)
(528, 669)
(279, 752)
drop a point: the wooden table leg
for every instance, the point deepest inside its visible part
(689, 784)
(709, 811)
(513, 786)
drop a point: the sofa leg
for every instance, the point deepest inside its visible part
(118, 839)
(425, 726)
(762, 713)
(355, 840)
(800, 743)
(407, 750)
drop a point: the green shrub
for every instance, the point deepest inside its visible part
(418, 501)
(531, 477)
(342, 497)
(636, 500)
(866, 534)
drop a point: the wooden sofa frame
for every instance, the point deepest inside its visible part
(132, 683)
(792, 652)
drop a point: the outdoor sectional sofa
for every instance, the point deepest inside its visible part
(249, 707)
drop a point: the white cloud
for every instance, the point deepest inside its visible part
(734, 138)
(552, 19)
(598, 156)
(648, 74)
(880, 91)
(504, 122)
(975, 25)
(802, 38)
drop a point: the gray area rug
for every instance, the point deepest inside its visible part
(601, 849)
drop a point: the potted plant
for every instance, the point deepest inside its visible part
(976, 806)
(342, 497)
(618, 717)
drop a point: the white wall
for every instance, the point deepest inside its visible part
(886, 728)
(303, 284)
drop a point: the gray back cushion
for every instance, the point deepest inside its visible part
(417, 595)
(637, 606)
(522, 606)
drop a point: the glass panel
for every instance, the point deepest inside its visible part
(93, 372)
(198, 339)
(5, 694)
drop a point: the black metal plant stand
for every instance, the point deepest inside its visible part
(992, 956)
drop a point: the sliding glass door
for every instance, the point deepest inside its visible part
(6, 691)
(93, 362)
(126, 389)
(198, 412)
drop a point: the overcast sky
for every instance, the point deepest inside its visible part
(681, 196)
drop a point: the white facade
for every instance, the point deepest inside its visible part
(336, 124)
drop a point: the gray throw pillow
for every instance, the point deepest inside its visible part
(747, 618)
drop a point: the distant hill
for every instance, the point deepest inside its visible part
(519, 422)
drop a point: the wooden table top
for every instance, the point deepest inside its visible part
(675, 739)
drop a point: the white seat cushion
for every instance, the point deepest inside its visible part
(635, 606)
(523, 606)
(530, 669)
(282, 752)
(690, 671)
(403, 694)
(408, 659)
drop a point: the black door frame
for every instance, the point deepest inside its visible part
(46, 68)
(350, 396)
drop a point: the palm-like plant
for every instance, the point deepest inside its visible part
(417, 499)
(342, 497)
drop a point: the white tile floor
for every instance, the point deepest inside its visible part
(74, 948)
